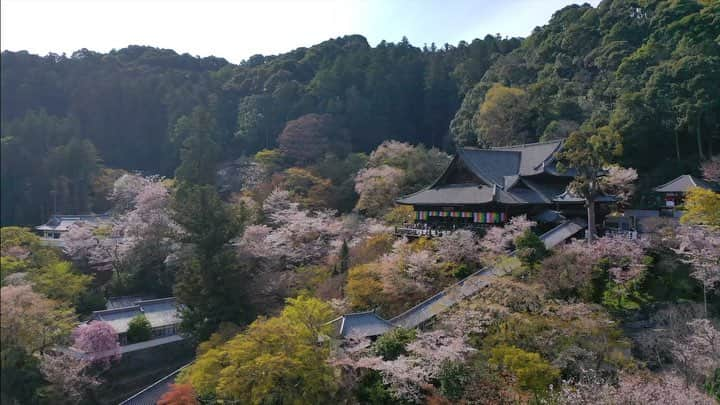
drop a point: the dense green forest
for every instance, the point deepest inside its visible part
(648, 69)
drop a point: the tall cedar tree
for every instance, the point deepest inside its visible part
(210, 283)
(587, 153)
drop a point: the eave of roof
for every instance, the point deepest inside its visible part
(682, 184)
(361, 324)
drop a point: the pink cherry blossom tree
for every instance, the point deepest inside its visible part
(407, 374)
(461, 246)
(125, 190)
(378, 187)
(497, 242)
(700, 246)
(99, 341)
(698, 353)
(636, 388)
(69, 376)
(99, 247)
(620, 182)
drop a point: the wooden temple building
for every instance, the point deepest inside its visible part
(674, 190)
(482, 187)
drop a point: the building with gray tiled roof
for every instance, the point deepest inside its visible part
(674, 190)
(59, 224)
(162, 314)
(360, 325)
(486, 186)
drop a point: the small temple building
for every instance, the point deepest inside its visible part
(674, 190)
(59, 224)
(482, 187)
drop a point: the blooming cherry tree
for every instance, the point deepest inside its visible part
(497, 242)
(700, 246)
(378, 187)
(125, 190)
(99, 341)
(68, 375)
(407, 374)
(619, 182)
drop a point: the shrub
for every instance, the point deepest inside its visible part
(461, 271)
(568, 274)
(139, 329)
(453, 378)
(370, 389)
(533, 373)
(530, 249)
(712, 385)
(392, 344)
(90, 300)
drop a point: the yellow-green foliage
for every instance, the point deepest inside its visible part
(49, 275)
(562, 330)
(364, 286)
(311, 277)
(702, 207)
(371, 248)
(533, 373)
(422, 244)
(59, 282)
(10, 265)
(277, 359)
(400, 214)
(310, 190)
(15, 236)
(102, 231)
(269, 159)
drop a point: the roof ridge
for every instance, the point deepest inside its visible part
(559, 140)
(115, 310)
(673, 181)
(155, 301)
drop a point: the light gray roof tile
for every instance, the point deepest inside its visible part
(683, 183)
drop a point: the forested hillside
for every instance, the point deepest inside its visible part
(136, 106)
(648, 69)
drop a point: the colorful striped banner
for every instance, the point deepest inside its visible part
(477, 217)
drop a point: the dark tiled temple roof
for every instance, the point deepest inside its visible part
(507, 175)
(534, 156)
(683, 183)
(490, 165)
(361, 324)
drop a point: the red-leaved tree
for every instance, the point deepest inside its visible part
(179, 394)
(309, 137)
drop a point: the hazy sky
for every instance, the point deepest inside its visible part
(238, 29)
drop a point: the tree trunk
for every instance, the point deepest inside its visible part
(698, 132)
(591, 219)
(677, 145)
